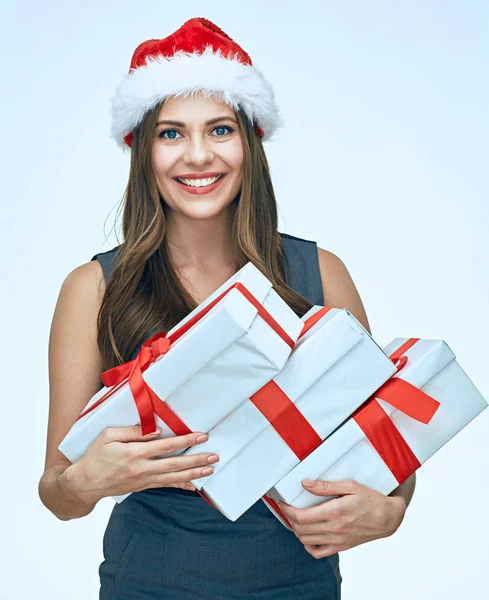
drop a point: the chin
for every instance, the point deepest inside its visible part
(205, 212)
(200, 208)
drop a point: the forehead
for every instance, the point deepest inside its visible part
(194, 109)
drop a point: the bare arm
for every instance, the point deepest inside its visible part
(340, 292)
(121, 460)
(75, 365)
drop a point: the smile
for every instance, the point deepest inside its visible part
(199, 182)
(202, 185)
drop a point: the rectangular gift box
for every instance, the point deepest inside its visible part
(334, 367)
(418, 426)
(225, 356)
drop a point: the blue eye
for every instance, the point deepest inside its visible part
(222, 130)
(172, 134)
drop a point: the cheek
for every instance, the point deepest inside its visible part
(235, 156)
(162, 162)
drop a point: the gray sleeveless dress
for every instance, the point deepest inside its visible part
(169, 544)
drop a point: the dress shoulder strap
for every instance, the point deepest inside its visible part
(301, 264)
(107, 261)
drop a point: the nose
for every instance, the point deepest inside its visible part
(198, 152)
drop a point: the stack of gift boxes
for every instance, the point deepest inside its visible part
(284, 399)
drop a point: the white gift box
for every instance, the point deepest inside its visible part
(334, 367)
(348, 454)
(225, 357)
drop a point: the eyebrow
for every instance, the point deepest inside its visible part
(210, 122)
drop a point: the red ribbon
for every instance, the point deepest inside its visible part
(147, 402)
(283, 415)
(287, 420)
(313, 319)
(302, 439)
(381, 431)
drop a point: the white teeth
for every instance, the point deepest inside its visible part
(199, 182)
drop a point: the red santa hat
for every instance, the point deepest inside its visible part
(198, 57)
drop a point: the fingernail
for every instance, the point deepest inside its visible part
(308, 483)
(156, 432)
(202, 438)
(207, 471)
(212, 458)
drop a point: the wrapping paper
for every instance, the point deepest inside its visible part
(382, 444)
(192, 377)
(334, 367)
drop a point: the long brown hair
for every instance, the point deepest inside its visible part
(144, 294)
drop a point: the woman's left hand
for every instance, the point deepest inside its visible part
(359, 515)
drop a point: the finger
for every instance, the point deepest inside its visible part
(184, 486)
(331, 488)
(321, 539)
(325, 512)
(322, 551)
(169, 479)
(320, 528)
(131, 433)
(169, 445)
(180, 463)
(291, 512)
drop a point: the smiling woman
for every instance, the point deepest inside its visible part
(199, 144)
(199, 205)
(184, 239)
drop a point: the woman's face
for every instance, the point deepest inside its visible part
(197, 155)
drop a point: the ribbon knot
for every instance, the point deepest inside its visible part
(150, 350)
(160, 347)
(147, 402)
(378, 426)
(158, 344)
(402, 361)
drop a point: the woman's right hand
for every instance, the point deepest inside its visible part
(122, 460)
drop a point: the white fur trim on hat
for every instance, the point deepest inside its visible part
(227, 79)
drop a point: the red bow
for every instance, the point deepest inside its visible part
(381, 431)
(147, 402)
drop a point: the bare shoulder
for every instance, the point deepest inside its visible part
(79, 299)
(339, 290)
(75, 362)
(87, 279)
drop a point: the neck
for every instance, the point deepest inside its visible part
(200, 244)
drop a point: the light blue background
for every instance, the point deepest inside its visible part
(383, 161)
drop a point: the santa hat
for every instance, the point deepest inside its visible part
(198, 57)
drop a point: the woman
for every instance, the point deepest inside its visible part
(199, 205)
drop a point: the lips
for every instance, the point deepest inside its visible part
(198, 183)
(198, 175)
